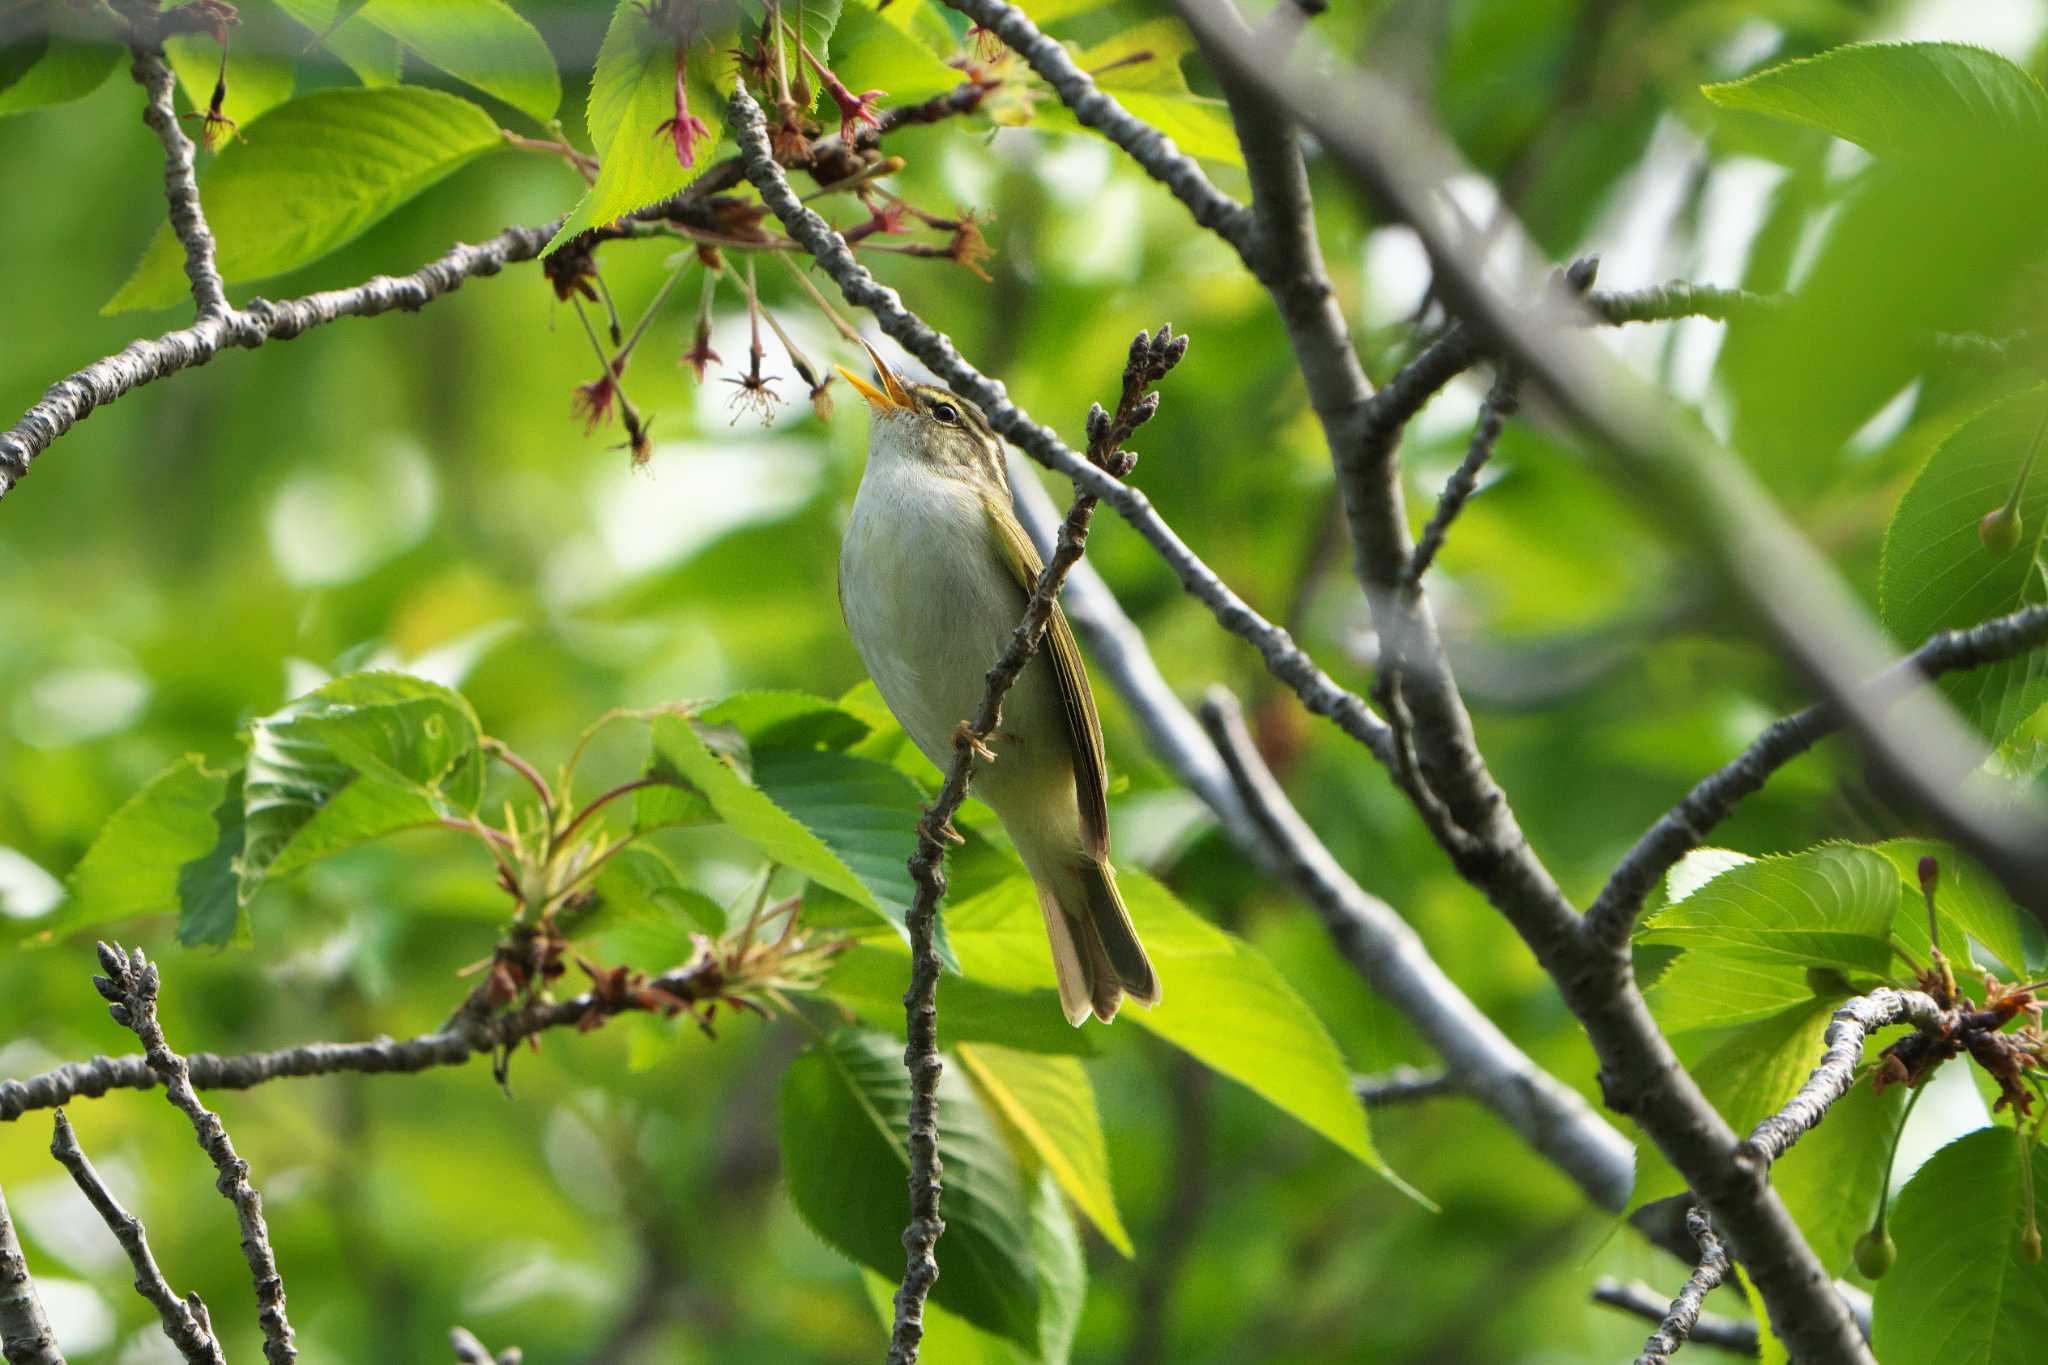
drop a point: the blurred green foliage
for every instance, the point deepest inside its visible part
(414, 493)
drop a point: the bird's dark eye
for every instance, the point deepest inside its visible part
(945, 412)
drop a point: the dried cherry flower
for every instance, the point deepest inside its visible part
(854, 110)
(684, 128)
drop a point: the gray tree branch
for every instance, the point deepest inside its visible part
(185, 1322)
(1684, 1312)
(1708, 1329)
(1847, 1031)
(465, 1037)
(1684, 827)
(130, 988)
(25, 1335)
(181, 183)
(1388, 953)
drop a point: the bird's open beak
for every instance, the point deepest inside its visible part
(891, 397)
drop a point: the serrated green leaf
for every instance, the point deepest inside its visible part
(1051, 1105)
(256, 84)
(1224, 1004)
(1829, 906)
(1898, 98)
(52, 68)
(1938, 574)
(1749, 1075)
(838, 820)
(1963, 1292)
(1965, 895)
(1704, 989)
(815, 19)
(134, 864)
(632, 93)
(869, 980)
(365, 49)
(845, 1116)
(312, 175)
(787, 720)
(365, 755)
(483, 43)
(870, 53)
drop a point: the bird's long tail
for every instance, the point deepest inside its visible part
(1095, 949)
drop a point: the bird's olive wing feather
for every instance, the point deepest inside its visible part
(1020, 556)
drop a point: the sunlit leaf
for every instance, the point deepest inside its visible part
(484, 43)
(1051, 1104)
(632, 94)
(1830, 906)
(1898, 98)
(372, 54)
(255, 83)
(372, 753)
(870, 53)
(133, 866)
(869, 980)
(1965, 895)
(312, 175)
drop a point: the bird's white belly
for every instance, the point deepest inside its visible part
(931, 609)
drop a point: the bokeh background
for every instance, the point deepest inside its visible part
(414, 491)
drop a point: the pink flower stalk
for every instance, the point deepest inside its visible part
(685, 128)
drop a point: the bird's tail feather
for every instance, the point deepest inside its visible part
(1095, 949)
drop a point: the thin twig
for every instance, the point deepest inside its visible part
(466, 1037)
(1402, 1085)
(70, 399)
(1500, 405)
(1151, 358)
(1686, 825)
(1708, 1329)
(185, 1321)
(130, 987)
(25, 1335)
(181, 184)
(1143, 143)
(1684, 1312)
(1847, 1030)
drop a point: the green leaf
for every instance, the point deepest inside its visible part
(870, 53)
(1963, 1292)
(1895, 98)
(209, 887)
(484, 43)
(1939, 575)
(1752, 1073)
(845, 1116)
(869, 980)
(1705, 989)
(365, 49)
(363, 756)
(1145, 56)
(1198, 125)
(52, 68)
(311, 176)
(632, 93)
(135, 864)
(816, 20)
(787, 720)
(864, 812)
(1224, 1004)
(640, 896)
(1051, 1105)
(1830, 906)
(1965, 894)
(256, 84)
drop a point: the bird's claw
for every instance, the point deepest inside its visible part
(963, 733)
